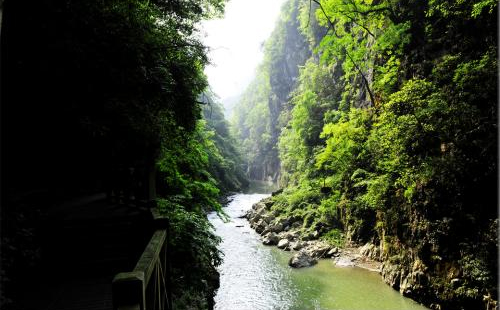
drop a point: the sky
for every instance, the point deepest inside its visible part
(235, 43)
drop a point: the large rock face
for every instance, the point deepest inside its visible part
(409, 282)
(302, 259)
(371, 251)
(391, 274)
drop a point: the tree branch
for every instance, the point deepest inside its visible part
(330, 23)
(360, 25)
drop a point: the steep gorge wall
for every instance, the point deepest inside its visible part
(411, 170)
(257, 114)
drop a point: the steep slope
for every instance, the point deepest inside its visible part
(257, 114)
(389, 137)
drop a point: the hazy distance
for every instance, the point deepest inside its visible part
(235, 43)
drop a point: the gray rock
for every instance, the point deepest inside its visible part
(260, 226)
(249, 215)
(297, 245)
(344, 261)
(268, 217)
(259, 206)
(302, 259)
(275, 227)
(371, 251)
(415, 279)
(270, 239)
(283, 244)
(279, 191)
(311, 236)
(333, 252)
(290, 235)
(391, 275)
(405, 285)
(284, 221)
(318, 249)
(268, 203)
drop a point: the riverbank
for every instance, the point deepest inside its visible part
(258, 277)
(405, 263)
(290, 234)
(286, 234)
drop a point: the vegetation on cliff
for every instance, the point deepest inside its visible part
(388, 135)
(256, 117)
(91, 89)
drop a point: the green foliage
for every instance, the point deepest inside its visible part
(192, 245)
(183, 165)
(299, 140)
(252, 125)
(461, 7)
(334, 237)
(224, 159)
(191, 234)
(416, 163)
(258, 120)
(119, 81)
(344, 144)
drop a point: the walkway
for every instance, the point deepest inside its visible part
(86, 242)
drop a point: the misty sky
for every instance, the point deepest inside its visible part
(236, 43)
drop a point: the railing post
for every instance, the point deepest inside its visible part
(162, 222)
(129, 291)
(149, 286)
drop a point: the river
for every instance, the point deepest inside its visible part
(257, 277)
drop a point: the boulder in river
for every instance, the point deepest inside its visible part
(256, 213)
(260, 226)
(270, 239)
(283, 244)
(302, 259)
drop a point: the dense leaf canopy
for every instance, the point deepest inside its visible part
(389, 136)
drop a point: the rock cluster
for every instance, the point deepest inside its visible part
(286, 234)
(410, 277)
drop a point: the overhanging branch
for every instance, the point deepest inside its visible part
(330, 23)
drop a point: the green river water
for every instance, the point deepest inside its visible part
(257, 277)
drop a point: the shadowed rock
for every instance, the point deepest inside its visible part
(302, 259)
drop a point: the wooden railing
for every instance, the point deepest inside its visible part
(147, 287)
